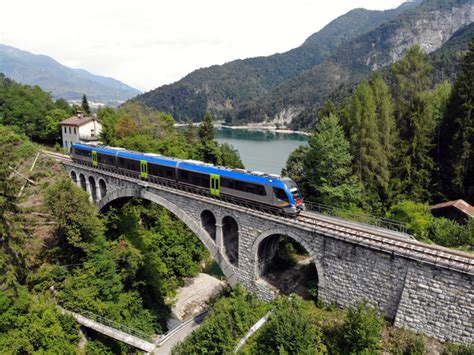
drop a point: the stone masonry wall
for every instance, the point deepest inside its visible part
(438, 302)
(421, 297)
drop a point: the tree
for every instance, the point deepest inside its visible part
(369, 161)
(417, 216)
(457, 135)
(230, 156)
(77, 226)
(416, 124)
(295, 167)
(386, 131)
(362, 330)
(85, 104)
(328, 165)
(206, 130)
(290, 330)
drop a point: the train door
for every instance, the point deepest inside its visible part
(215, 185)
(143, 169)
(94, 158)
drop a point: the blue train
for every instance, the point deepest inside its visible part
(255, 189)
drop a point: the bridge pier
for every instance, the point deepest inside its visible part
(421, 287)
(219, 238)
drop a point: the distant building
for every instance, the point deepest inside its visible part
(80, 129)
(457, 210)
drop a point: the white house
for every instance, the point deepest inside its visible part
(80, 128)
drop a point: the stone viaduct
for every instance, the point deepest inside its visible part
(421, 287)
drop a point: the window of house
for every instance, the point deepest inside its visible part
(74, 130)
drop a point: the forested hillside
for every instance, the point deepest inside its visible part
(394, 150)
(290, 86)
(231, 88)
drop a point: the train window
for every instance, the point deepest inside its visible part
(199, 179)
(280, 194)
(183, 175)
(227, 183)
(83, 152)
(169, 172)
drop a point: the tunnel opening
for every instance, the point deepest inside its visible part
(230, 234)
(287, 267)
(208, 222)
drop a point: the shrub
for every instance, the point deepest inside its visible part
(362, 329)
(416, 215)
(451, 234)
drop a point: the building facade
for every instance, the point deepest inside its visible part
(80, 129)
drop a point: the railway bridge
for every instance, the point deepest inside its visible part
(418, 286)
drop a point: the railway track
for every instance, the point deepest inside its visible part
(392, 242)
(353, 232)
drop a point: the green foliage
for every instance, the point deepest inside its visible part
(13, 147)
(370, 163)
(327, 165)
(85, 104)
(458, 349)
(404, 342)
(31, 110)
(77, 226)
(230, 318)
(206, 130)
(448, 233)
(457, 135)
(362, 330)
(167, 251)
(416, 215)
(33, 324)
(416, 122)
(290, 330)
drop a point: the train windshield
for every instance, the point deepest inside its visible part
(295, 191)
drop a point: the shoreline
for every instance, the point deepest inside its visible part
(251, 127)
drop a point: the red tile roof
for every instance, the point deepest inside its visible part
(78, 120)
(461, 205)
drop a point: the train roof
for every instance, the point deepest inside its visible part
(192, 165)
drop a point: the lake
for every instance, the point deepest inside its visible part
(262, 150)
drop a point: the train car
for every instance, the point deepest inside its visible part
(235, 185)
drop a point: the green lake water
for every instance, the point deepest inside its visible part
(264, 151)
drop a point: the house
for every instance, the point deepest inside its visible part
(457, 210)
(80, 129)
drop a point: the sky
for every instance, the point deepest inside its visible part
(149, 43)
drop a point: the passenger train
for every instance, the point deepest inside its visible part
(256, 189)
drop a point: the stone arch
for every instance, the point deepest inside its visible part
(73, 175)
(102, 188)
(230, 239)
(92, 187)
(82, 181)
(192, 224)
(285, 232)
(208, 222)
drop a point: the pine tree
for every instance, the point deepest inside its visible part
(386, 130)
(85, 104)
(415, 121)
(206, 129)
(363, 133)
(457, 135)
(327, 165)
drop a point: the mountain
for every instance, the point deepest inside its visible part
(285, 86)
(59, 80)
(230, 88)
